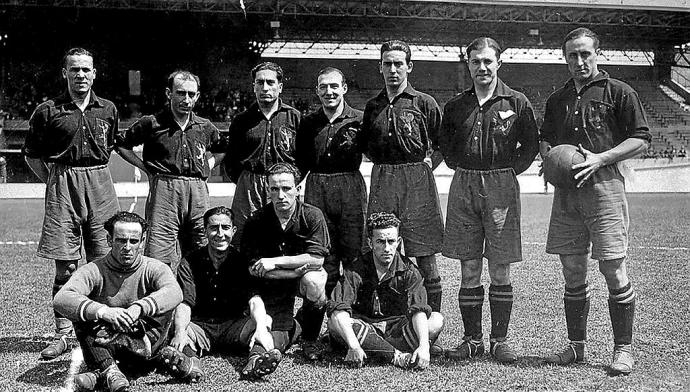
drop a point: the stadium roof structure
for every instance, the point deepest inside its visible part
(622, 24)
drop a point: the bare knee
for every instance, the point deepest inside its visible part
(313, 286)
(499, 274)
(574, 269)
(615, 272)
(471, 273)
(436, 323)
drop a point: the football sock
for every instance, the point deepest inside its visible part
(576, 301)
(501, 304)
(622, 311)
(434, 292)
(471, 301)
(311, 320)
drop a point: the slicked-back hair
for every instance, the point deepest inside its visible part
(269, 66)
(328, 70)
(382, 220)
(581, 32)
(484, 42)
(220, 210)
(397, 45)
(284, 167)
(125, 217)
(75, 52)
(184, 75)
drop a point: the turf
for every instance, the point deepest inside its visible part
(658, 266)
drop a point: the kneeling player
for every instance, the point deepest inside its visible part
(217, 295)
(120, 306)
(379, 308)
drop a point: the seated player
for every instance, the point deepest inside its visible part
(121, 306)
(379, 309)
(286, 242)
(217, 296)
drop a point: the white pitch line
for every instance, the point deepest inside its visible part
(678, 248)
(21, 243)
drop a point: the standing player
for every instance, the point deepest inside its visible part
(261, 136)
(328, 147)
(180, 149)
(68, 147)
(488, 135)
(220, 311)
(286, 242)
(400, 132)
(604, 117)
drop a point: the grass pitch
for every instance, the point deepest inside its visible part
(658, 267)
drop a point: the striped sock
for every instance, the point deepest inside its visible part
(501, 304)
(622, 311)
(471, 301)
(576, 301)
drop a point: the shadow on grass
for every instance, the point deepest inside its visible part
(46, 374)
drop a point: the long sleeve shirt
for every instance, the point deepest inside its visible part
(148, 283)
(361, 293)
(499, 134)
(256, 143)
(59, 132)
(404, 130)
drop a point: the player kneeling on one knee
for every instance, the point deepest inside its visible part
(379, 309)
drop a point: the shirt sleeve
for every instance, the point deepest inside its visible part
(250, 246)
(37, 128)
(72, 301)
(302, 148)
(165, 293)
(548, 127)
(185, 278)
(318, 241)
(344, 294)
(631, 115)
(446, 136)
(416, 293)
(232, 161)
(433, 123)
(528, 137)
(135, 134)
(217, 143)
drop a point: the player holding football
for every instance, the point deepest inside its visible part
(489, 136)
(604, 118)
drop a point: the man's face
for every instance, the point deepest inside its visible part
(581, 57)
(79, 73)
(183, 96)
(283, 191)
(395, 68)
(330, 89)
(384, 243)
(483, 66)
(266, 86)
(219, 232)
(127, 242)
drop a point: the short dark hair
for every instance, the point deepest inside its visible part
(328, 70)
(484, 42)
(75, 52)
(284, 167)
(397, 45)
(125, 217)
(271, 66)
(185, 75)
(581, 32)
(220, 210)
(381, 220)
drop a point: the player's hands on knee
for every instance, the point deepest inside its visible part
(355, 357)
(421, 358)
(118, 318)
(263, 266)
(179, 341)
